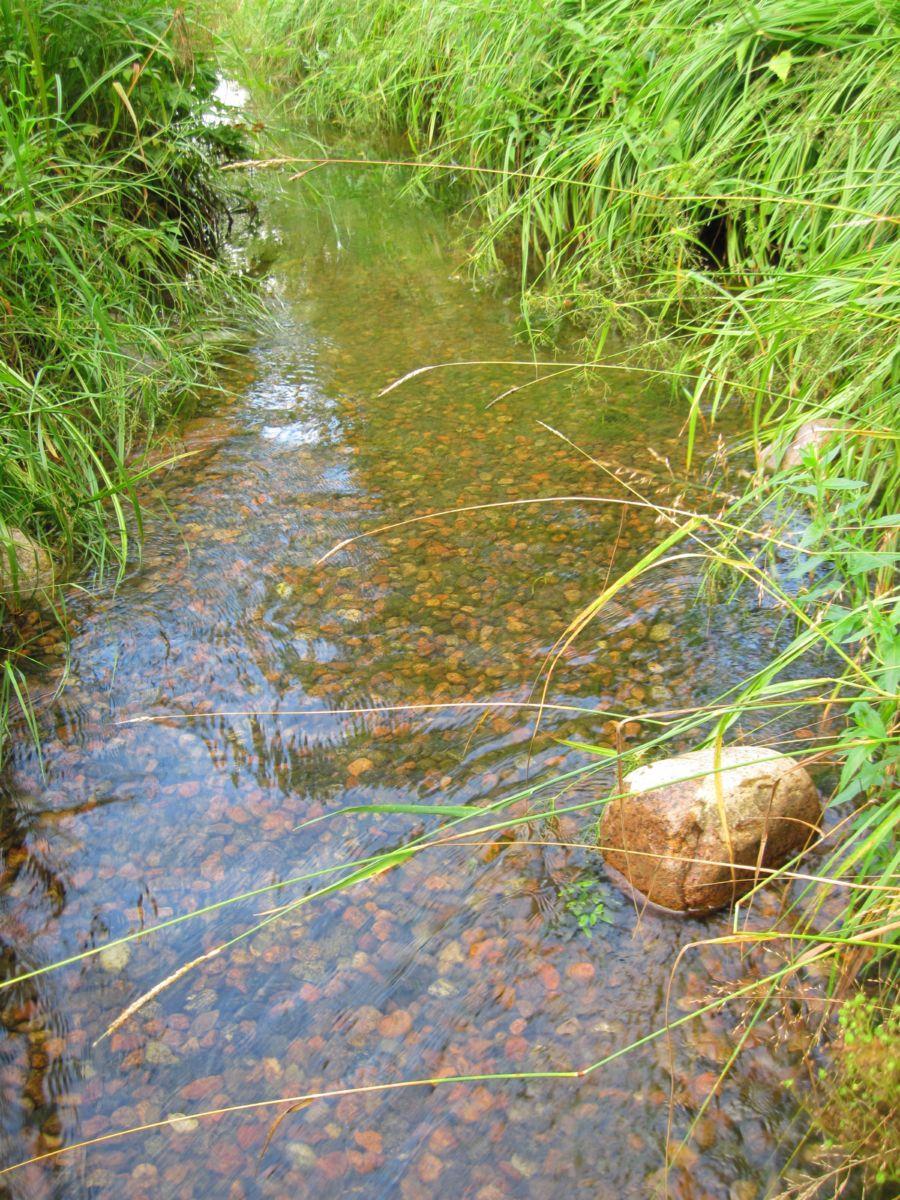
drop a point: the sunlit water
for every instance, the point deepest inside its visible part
(465, 960)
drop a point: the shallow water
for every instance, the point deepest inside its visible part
(468, 959)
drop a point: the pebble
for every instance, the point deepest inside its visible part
(181, 1123)
(145, 1175)
(99, 1177)
(549, 977)
(523, 1165)
(581, 972)
(203, 1088)
(661, 632)
(443, 989)
(743, 1189)
(369, 1139)
(429, 1168)
(359, 766)
(159, 1054)
(301, 1154)
(395, 1024)
(115, 958)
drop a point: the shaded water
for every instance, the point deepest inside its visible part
(467, 959)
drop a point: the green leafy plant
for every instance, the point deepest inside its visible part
(584, 900)
(856, 1098)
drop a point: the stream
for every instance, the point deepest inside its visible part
(506, 954)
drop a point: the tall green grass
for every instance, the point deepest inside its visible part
(112, 213)
(730, 168)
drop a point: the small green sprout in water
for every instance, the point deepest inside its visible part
(583, 900)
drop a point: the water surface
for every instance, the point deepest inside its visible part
(468, 959)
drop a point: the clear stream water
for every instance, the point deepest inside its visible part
(466, 959)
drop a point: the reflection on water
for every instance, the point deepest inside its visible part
(465, 960)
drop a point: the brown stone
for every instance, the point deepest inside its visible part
(26, 568)
(395, 1024)
(667, 836)
(817, 432)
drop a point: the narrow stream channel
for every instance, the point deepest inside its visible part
(465, 960)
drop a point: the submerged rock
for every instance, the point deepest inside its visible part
(661, 631)
(115, 958)
(182, 1123)
(667, 837)
(26, 568)
(817, 433)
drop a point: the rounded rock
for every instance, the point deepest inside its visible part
(26, 568)
(816, 433)
(690, 830)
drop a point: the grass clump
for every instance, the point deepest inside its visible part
(112, 213)
(858, 1102)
